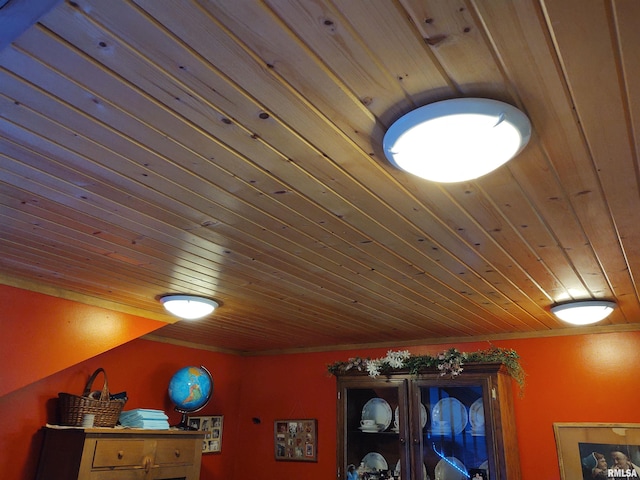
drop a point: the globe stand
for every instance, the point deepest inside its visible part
(183, 425)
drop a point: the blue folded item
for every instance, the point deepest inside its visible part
(144, 413)
(151, 425)
(145, 418)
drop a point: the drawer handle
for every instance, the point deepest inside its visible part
(147, 464)
(120, 454)
(177, 452)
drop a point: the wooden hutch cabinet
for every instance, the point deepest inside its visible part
(428, 426)
(120, 454)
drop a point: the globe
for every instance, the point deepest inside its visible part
(190, 389)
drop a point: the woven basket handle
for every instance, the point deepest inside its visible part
(104, 395)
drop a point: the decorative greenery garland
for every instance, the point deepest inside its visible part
(450, 362)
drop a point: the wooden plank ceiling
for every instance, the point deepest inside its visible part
(232, 149)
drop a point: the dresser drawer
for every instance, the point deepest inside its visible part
(175, 451)
(121, 453)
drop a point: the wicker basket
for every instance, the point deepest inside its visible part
(73, 408)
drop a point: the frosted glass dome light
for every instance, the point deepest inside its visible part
(457, 140)
(583, 312)
(188, 307)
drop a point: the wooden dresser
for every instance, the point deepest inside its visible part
(122, 454)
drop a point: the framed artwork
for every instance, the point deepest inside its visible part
(296, 440)
(598, 451)
(212, 428)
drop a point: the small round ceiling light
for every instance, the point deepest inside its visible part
(189, 307)
(584, 312)
(457, 140)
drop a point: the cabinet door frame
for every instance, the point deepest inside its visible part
(497, 394)
(400, 382)
(484, 382)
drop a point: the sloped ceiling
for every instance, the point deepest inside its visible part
(232, 149)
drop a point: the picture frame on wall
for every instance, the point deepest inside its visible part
(598, 450)
(212, 427)
(296, 440)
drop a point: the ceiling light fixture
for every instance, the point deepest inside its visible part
(457, 140)
(188, 307)
(584, 312)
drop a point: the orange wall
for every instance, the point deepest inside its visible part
(42, 335)
(141, 368)
(586, 378)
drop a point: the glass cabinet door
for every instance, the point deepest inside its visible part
(375, 428)
(453, 440)
(425, 426)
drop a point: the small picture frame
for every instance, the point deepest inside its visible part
(296, 440)
(212, 427)
(589, 451)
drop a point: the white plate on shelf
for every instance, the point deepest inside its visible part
(373, 461)
(378, 410)
(450, 468)
(450, 413)
(476, 417)
(396, 420)
(369, 430)
(396, 471)
(423, 417)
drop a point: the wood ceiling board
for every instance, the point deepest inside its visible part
(234, 150)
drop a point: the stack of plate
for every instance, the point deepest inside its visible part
(449, 416)
(378, 410)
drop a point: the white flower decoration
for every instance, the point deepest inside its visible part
(373, 367)
(396, 359)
